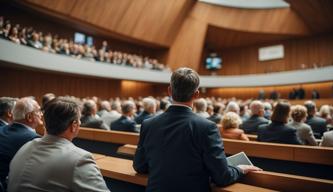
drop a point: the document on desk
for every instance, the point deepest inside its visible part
(239, 159)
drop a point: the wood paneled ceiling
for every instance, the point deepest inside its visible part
(317, 14)
(219, 38)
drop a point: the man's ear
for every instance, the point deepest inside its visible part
(196, 94)
(29, 117)
(169, 91)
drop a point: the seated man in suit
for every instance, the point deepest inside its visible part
(6, 110)
(149, 110)
(89, 117)
(200, 106)
(125, 122)
(27, 116)
(113, 115)
(318, 124)
(327, 140)
(180, 150)
(257, 118)
(216, 117)
(53, 162)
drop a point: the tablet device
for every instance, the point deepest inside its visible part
(239, 159)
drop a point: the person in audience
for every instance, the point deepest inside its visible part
(200, 106)
(300, 93)
(278, 131)
(251, 125)
(325, 112)
(318, 124)
(27, 117)
(125, 122)
(113, 115)
(53, 162)
(46, 98)
(327, 140)
(274, 95)
(230, 127)
(304, 131)
(164, 104)
(232, 107)
(243, 112)
(6, 110)
(89, 117)
(216, 117)
(13, 36)
(104, 108)
(149, 110)
(34, 42)
(181, 151)
(315, 94)
(268, 110)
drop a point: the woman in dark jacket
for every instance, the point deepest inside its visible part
(278, 131)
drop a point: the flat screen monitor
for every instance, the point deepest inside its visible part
(213, 62)
(79, 38)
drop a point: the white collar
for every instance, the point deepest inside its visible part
(181, 105)
(4, 122)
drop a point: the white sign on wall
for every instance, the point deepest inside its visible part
(271, 52)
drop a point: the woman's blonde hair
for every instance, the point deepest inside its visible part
(298, 112)
(231, 120)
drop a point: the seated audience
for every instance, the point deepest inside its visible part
(230, 127)
(216, 117)
(27, 117)
(327, 140)
(53, 162)
(268, 110)
(277, 131)
(243, 112)
(125, 122)
(325, 112)
(200, 106)
(318, 124)
(90, 118)
(6, 110)
(257, 118)
(304, 131)
(113, 115)
(149, 110)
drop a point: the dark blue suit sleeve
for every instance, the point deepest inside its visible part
(215, 159)
(292, 137)
(140, 163)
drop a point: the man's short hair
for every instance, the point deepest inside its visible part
(88, 107)
(127, 107)
(184, 83)
(105, 105)
(6, 105)
(256, 106)
(310, 106)
(46, 98)
(22, 107)
(148, 103)
(59, 113)
(200, 105)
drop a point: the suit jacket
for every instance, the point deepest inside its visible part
(251, 125)
(327, 139)
(304, 133)
(142, 116)
(2, 123)
(93, 122)
(318, 125)
(12, 137)
(278, 132)
(123, 124)
(216, 118)
(181, 151)
(110, 117)
(53, 163)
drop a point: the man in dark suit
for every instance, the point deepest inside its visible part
(89, 117)
(181, 151)
(27, 117)
(318, 124)
(257, 118)
(125, 122)
(6, 110)
(149, 109)
(216, 117)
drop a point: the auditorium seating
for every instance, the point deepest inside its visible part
(122, 169)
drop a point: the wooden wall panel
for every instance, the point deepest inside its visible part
(156, 22)
(325, 90)
(188, 46)
(309, 51)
